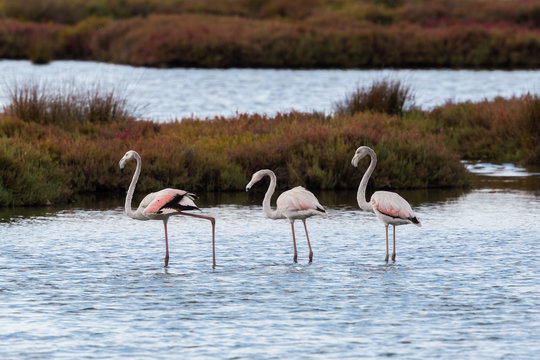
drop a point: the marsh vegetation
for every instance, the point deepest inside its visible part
(275, 33)
(54, 145)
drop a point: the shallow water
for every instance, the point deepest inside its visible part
(166, 94)
(87, 282)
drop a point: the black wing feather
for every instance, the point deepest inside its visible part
(174, 203)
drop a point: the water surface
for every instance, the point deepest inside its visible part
(167, 94)
(86, 282)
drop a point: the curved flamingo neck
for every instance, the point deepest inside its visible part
(131, 190)
(272, 214)
(361, 195)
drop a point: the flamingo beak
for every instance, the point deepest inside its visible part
(121, 164)
(354, 161)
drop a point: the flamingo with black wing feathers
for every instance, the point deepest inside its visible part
(162, 204)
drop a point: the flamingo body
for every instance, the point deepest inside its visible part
(162, 204)
(392, 209)
(389, 207)
(166, 202)
(298, 203)
(293, 204)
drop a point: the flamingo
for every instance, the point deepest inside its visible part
(389, 207)
(162, 204)
(296, 203)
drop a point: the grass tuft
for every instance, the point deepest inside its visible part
(68, 104)
(382, 96)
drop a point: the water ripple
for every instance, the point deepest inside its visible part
(83, 283)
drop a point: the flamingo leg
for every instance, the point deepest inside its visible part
(394, 248)
(309, 245)
(213, 221)
(166, 243)
(386, 258)
(295, 257)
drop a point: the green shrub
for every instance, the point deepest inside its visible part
(28, 176)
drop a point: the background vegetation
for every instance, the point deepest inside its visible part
(51, 156)
(275, 33)
(58, 143)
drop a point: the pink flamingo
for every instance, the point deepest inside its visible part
(297, 203)
(389, 207)
(162, 204)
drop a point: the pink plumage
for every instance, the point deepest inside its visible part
(171, 199)
(293, 204)
(389, 207)
(298, 199)
(392, 205)
(162, 204)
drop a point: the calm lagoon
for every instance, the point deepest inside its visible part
(84, 281)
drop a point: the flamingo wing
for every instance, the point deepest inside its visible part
(299, 199)
(168, 199)
(393, 205)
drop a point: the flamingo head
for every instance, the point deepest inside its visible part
(131, 154)
(360, 153)
(255, 179)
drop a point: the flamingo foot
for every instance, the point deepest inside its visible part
(166, 260)
(393, 257)
(295, 258)
(386, 258)
(310, 256)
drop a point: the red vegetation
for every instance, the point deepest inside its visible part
(276, 33)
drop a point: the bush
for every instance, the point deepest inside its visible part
(22, 40)
(77, 40)
(209, 40)
(530, 129)
(499, 130)
(28, 176)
